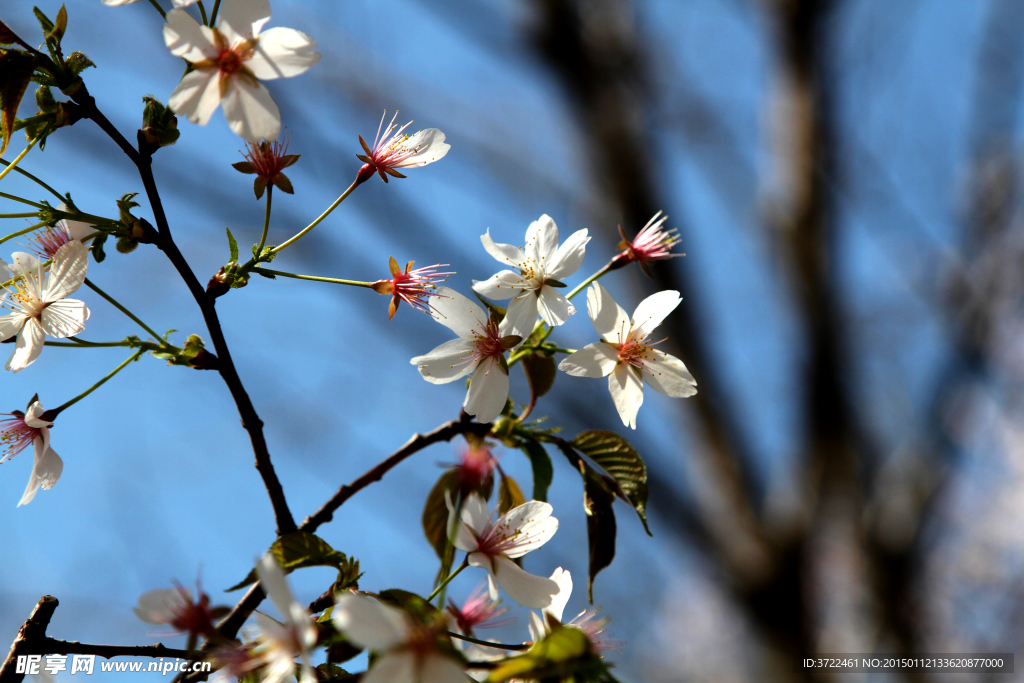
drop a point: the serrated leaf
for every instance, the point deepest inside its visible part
(16, 69)
(232, 245)
(301, 549)
(509, 494)
(540, 373)
(333, 672)
(540, 462)
(619, 459)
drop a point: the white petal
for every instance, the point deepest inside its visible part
(535, 524)
(457, 313)
(250, 110)
(488, 391)
(447, 362)
(436, 668)
(11, 324)
(197, 96)
(430, 146)
(275, 584)
(610, 321)
(186, 38)
(369, 623)
(538, 629)
(181, 3)
(569, 257)
(67, 273)
(553, 306)
(542, 240)
(627, 392)
(242, 18)
(527, 589)
(593, 360)
(505, 253)
(502, 285)
(521, 315)
(25, 264)
(45, 473)
(394, 667)
(78, 229)
(475, 516)
(64, 318)
(158, 607)
(28, 347)
(32, 416)
(282, 53)
(564, 581)
(653, 310)
(667, 375)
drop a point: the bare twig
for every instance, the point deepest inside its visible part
(31, 634)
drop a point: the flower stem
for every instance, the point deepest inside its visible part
(13, 164)
(16, 198)
(337, 281)
(121, 308)
(159, 9)
(202, 12)
(322, 216)
(448, 579)
(586, 283)
(266, 220)
(19, 215)
(213, 14)
(487, 643)
(35, 180)
(135, 356)
(19, 233)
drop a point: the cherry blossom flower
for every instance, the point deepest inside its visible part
(542, 266)
(478, 611)
(625, 356)
(48, 241)
(38, 301)
(414, 287)
(282, 642)
(175, 607)
(493, 543)
(397, 149)
(22, 429)
(586, 621)
(480, 349)
(268, 159)
(409, 650)
(652, 243)
(228, 63)
(475, 464)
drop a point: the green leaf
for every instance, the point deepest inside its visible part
(540, 373)
(410, 603)
(540, 461)
(97, 247)
(509, 494)
(564, 654)
(614, 454)
(16, 68)
(232, 245)
(59, 26)
(301, 549)
(597, 502)
(435, 511)
(333, 672)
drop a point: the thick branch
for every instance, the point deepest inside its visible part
(250, 420)
(31, 634)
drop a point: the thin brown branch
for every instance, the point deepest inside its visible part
(250, 419)
(52, 646)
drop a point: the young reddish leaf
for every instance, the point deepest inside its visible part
(509, 494)
(540, 373)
